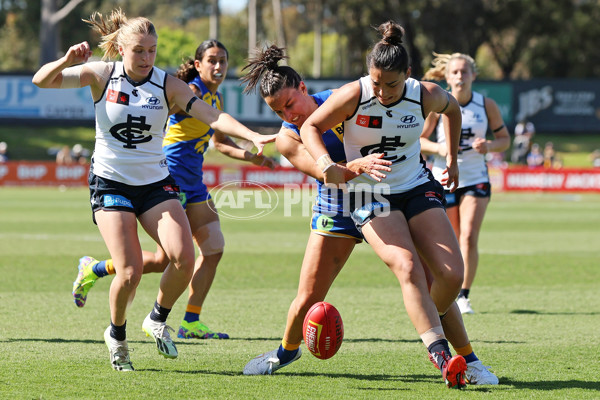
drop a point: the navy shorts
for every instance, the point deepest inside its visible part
(479, 190)
(106, 194)
(423, 197)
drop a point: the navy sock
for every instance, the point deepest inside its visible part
(436, 348)
(464, 293)
(118, 332)
(191, 316)
(285, 355)
(471, 357)
(159, 313)
(100, 269)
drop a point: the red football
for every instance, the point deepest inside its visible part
(323, 330)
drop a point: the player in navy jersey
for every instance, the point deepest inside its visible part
(185, 143)
(402, 217)
(465, 207)
(129, 179)
(334, 234)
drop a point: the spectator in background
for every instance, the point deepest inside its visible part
(63, 157)
(79, 154)
(595, 158)
(3, 152)
(524, 132)
(535, 158)
(549, 155)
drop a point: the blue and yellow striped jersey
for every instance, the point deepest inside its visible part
(183, 128)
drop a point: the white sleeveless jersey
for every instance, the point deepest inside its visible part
(472, 168)
(393, 130)
(130, 121)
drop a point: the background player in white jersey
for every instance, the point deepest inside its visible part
(467, 205)
(186, 141)
(333, 235)
(129, 179)
(402, 217)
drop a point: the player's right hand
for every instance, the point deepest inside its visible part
(78, 53)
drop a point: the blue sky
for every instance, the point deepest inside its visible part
(232, 5)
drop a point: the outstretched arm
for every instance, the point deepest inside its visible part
(227, 146)
(181, 95)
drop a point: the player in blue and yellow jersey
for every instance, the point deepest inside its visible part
(185, 143)
(333, 233)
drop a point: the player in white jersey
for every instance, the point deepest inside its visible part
(403, 216)
(467, 205)
(333, 234)
(129, 179)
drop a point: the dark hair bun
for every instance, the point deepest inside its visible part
(391, 33)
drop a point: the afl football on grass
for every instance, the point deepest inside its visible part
(323, 330)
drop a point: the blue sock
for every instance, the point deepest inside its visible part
(285, 355)
(100, 269)
(191, 317)
(471, 357)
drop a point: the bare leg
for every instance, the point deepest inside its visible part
(323, 260)
(119, 230)
(167, 224)
(472, 210)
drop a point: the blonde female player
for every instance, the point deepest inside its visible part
(129, 179)
(185, 144)
(467, 205)
(333, 235)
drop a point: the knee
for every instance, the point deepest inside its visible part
(453, 276)
(184, 262)
(469, 238)
(405, 271)
(130, 278)
(210, 239)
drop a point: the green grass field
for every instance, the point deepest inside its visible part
(536, 296)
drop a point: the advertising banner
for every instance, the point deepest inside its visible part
(48, 173)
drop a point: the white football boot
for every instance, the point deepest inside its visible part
(119, 352)
(479, 374)
(159, 331)
(464, 305)
(267, 363)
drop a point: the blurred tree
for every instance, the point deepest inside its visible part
(509, 38)
(51, 16)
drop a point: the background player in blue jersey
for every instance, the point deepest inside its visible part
(467, 205)
(333, 235)
(129, 179)
(185, 144)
